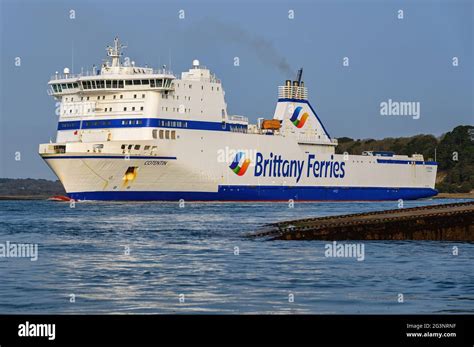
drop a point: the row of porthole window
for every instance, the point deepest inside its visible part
(137, 147)
(107, 109)
(176, 97)
(135, 96)
(164, 134)
(177, 109)
(202, 87)
(133, 108)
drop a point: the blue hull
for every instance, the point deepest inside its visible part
(266, 193)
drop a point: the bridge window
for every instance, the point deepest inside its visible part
(136, 82)
(114, 84)
(159, 83)
(152, 83)
(120, 84)
(128, 82)
(108, 84)
(137, 147)
(145, 81)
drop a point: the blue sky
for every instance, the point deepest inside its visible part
(389, 58)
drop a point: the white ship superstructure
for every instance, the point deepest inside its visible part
(135, 133)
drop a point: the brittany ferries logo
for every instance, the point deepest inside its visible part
(240, 164)
(297, 120)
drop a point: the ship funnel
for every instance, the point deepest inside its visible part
(298, 77)
(294, 89)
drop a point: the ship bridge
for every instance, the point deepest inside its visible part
(112, 77)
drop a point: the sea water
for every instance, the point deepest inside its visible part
(125, 257)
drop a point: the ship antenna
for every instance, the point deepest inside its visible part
(169, 59)
(115, 52)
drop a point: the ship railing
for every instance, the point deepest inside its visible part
(47, 148)
(292, 92)
(96, 72)
(65, 76)
(313, 139)
(238, 119)
(162, 72)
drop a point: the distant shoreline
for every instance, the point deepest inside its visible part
(25, 197)
(454, 196)
(46, 197)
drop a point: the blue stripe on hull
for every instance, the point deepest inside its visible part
(266, 193)
(149, 122)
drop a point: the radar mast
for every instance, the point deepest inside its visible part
(115, 52)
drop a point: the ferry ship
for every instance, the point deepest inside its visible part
(136, 133)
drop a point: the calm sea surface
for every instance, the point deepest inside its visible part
(159, 258)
